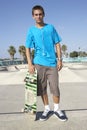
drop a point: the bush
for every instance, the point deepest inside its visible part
(74, 54)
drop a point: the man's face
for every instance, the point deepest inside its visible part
(38, 16)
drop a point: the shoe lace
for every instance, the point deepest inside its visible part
(60, 113)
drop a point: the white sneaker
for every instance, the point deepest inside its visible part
(45, 115)
(59, 114)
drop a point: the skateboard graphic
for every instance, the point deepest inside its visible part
(30, 92)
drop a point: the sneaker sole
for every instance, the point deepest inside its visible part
(59, 118)
(43, 119)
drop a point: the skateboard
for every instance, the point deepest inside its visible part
(30, 92)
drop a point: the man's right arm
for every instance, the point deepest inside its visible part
(30, 65)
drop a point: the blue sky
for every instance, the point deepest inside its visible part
(68, 16)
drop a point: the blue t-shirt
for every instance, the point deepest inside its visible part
(43, 41)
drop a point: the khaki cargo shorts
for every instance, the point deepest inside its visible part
(49, 74)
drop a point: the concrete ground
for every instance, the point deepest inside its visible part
(73, 102)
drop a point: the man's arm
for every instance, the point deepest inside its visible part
(59, 55)
(30, 65)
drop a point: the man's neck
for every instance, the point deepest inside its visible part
(40, 25)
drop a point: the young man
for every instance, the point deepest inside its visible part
(44, 39)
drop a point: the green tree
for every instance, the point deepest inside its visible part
(12, 51)
(32, 53)
(22, 51)
(64, 49)
(74, 54)
(82, 54)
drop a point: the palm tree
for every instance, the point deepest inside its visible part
(22, 51)
(64, 48)
(79, 52)
(32, 53)
(12, 51)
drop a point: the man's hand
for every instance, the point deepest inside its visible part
(59, 65)
(31, 68)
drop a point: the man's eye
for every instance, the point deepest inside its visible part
(38, 14)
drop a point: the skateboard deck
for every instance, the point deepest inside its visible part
(30, 92)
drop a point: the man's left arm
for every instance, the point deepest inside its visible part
(59, 55)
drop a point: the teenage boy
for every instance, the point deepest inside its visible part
(44, 39)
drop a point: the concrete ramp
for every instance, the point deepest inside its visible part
(12, 68)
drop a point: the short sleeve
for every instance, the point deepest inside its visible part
(29, 40)
(56, 36)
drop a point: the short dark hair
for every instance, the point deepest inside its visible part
(38, 7)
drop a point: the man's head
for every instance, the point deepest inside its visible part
(38, 13)
(38, 7)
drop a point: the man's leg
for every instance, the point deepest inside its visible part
(56, 100)
(42, 90)
(45, 102)
(46, 113)
(53, 79)
(45, 99)
(54, 87)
